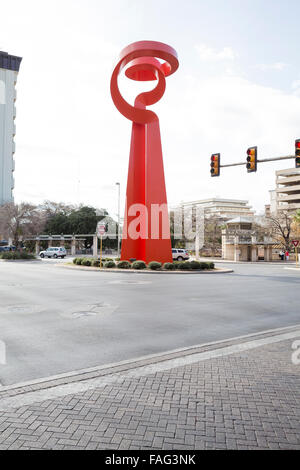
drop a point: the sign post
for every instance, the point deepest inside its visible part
(101, 229)
(296, 244)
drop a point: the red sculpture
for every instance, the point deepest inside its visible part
(146, 233)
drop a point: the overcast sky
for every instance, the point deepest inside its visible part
(238, 85)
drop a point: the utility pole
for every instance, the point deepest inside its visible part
(119, 232)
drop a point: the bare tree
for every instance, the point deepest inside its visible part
(281, 226)
(213, 233)
(18, 221)
(51, 208)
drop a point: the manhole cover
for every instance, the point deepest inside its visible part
(27, 309)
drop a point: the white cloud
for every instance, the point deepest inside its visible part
(275, 66)
(208, 54)
(296, 87)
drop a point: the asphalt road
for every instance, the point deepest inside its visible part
(55, 320)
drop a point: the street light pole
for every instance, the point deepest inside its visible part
(118, 184)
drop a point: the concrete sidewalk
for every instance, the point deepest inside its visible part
(237, 394)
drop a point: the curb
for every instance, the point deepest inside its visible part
(143, 271)
(127, 365)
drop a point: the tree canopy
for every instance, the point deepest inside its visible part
(82, 220)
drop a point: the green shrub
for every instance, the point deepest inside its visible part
(86, 262)
(195, 265)
(16, 255)
(184, 266)
(109, 264)
(79, 261)
(105, 260)
(203, 265)
(96, 263)
(211, 265)
(154, 265)
(124, 265)
(139, 265)
(169, 266)
(75, 261)
(117, 259)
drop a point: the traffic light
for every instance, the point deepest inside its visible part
(252, 159)
(215, 164)
(297, 153)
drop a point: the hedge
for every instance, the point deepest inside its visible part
(154, 265)
(139, 265)
(169, 266)
(124, 265)
(15, 255)
(110, 263)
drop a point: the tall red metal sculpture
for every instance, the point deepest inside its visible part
(146, 232)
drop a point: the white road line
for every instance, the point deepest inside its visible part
(59, 391)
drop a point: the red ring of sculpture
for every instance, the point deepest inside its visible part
(143, 57)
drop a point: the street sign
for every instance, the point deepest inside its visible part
(295, 243)
(101, 229)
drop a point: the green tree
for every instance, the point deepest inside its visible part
(84, 220)
(297, 217)
(57, 224)
(61, 219)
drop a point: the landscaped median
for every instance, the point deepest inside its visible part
(111, 265)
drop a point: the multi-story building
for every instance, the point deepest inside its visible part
(9, 68)
(270, 209)
(225, 209)
(221, 210)
(288, 189)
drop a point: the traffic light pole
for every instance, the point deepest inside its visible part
(288, 157)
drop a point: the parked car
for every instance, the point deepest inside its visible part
(54, 252)
(180, 254)
(8, 248)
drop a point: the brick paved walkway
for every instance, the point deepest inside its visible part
(245, 400)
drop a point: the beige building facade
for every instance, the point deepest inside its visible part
(239, 243)
(222, 208)
(288, 190)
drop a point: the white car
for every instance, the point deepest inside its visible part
(180, 254)
(54, 252)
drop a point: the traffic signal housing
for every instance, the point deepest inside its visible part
(252, 159)
(297, 153)
(215, 164)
